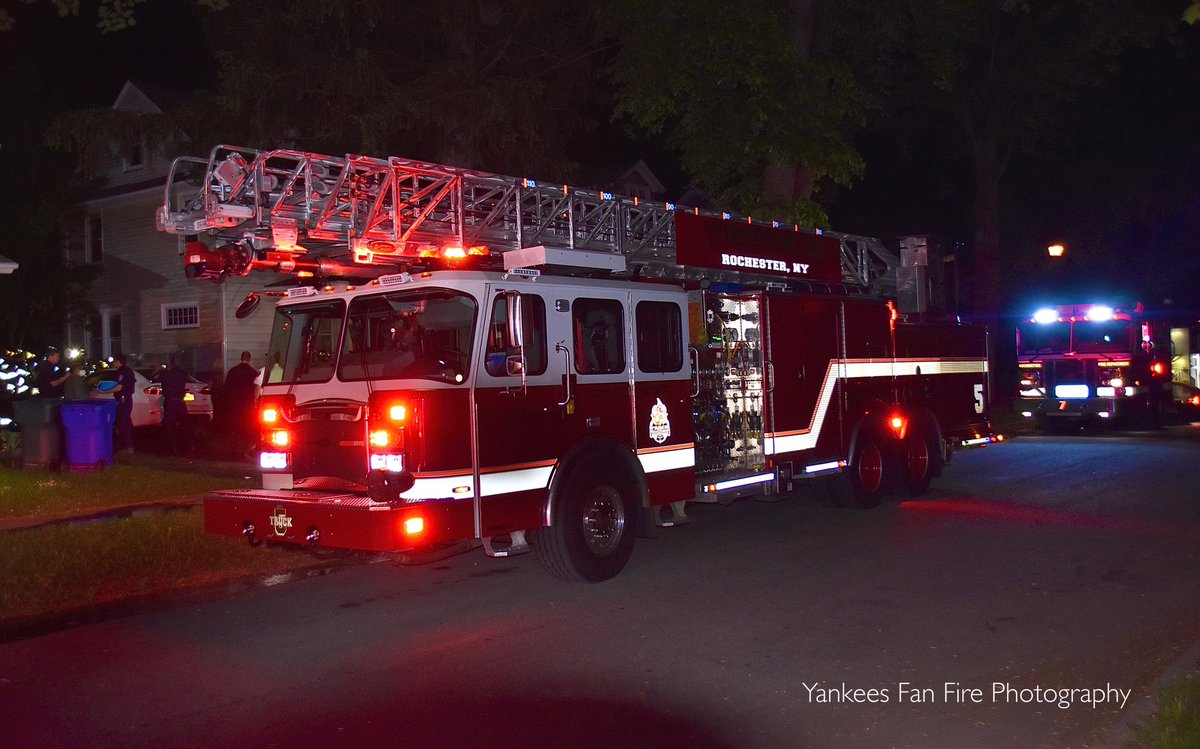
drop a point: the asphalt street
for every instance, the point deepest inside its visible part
(1062, 569)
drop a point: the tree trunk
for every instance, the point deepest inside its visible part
(988, 292)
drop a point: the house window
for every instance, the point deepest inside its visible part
(181, 315)
(95, 239)
(95, 328)
(134, 156)
(104, 334)
(113, 335)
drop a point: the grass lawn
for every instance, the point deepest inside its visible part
(57, 568)
(1177, 723)
(31, 493)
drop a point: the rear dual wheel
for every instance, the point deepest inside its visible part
(876, 466)
(916, 461)
(863, 483)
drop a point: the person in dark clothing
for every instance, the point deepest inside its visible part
(241, 389)
(174, 387)
(76, 387)
(51, 375)
(123, 393)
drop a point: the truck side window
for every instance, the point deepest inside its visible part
(533, 326)
(598, 326)
(659, 337)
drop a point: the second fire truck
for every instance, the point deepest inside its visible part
(1093, 363)
(480, 360)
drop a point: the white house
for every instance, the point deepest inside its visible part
(146, 307)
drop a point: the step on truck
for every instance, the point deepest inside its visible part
(469, 359)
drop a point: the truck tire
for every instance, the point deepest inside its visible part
(916, 462)
(864, 481)
(593, 522)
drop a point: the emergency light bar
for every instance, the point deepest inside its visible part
(1045, 316)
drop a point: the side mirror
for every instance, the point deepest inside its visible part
(513, 365)
(515, 328)
(248, 305)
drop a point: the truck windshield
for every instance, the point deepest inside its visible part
(423, 333)
(1109, 337)
(304, 340)
(1037, 338)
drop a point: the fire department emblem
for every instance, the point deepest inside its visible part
(660, 426)
(281, 522)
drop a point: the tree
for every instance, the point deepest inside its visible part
(492, 84)
(111, 15)
(749, 94)
(1001, 78)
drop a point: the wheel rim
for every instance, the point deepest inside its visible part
(603, 520)
(870, 468)
(918, 458)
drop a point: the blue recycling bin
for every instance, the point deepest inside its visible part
(89, 431)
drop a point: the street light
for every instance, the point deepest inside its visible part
(1056, 250)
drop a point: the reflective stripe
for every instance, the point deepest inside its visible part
(535, 477)
(520, 480)
(440, 487)
(668, 459)
(853, 369)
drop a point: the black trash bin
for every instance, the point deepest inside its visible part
(89, 438)
(40, 437)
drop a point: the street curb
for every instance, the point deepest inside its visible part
(36, 626)
(107, 513)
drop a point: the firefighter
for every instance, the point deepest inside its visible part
(76, 388)
(123, 394)
(174, 387)
(240, 391)
(51, 376)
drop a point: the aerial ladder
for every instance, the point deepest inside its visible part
(357, 216)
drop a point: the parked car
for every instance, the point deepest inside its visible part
(147, 398)
(1185, 401)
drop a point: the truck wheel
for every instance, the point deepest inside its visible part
(594, 524)
(863, 482)
(916, 462)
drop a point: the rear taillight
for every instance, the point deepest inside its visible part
(152, 390)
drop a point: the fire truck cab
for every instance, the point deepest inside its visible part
(564, 396)
(1087, 364)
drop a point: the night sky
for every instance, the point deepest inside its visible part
(1123, 193)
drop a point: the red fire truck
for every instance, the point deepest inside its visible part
(1093, 363)
(480, 360)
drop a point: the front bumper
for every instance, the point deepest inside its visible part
(335, 519)
(1073, 409)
